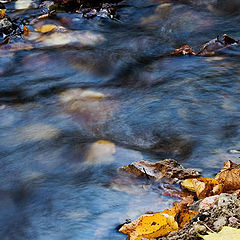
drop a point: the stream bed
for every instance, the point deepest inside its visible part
(75, 107)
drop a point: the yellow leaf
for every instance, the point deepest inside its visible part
(46, 28)
(150, 226)
(2, 13)
(204, 187)
(160, 224)
(227, 233)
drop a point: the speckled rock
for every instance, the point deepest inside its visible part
(225, 212)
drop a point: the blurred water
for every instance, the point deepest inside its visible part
(55, 184)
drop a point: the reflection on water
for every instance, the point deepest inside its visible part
(104, 96)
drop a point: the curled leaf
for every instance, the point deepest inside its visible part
(204, 187)
(217, 44)
(229, 176)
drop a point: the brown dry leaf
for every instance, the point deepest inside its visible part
(46, 28)
(184, 50)
(229, 176)
(168, 169)
(204, 187)
(217, 44)
(150, 226)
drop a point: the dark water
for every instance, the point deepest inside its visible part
(114, 81)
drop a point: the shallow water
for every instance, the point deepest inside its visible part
(55, 182)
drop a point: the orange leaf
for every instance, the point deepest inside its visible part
(204, 187)
(2, 13)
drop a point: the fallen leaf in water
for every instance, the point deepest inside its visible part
(184, 50)
(227, 233)
(46, 28)
(228, 40)
(204, 187)
(229, 176)
(217, 44)
(150, 226)
(26, 31)
(2, 13)
(168, 169)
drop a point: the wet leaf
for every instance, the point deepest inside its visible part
(216, 44)
(184, 50)
(150, 226)
(168, 169)
(204, 187)
(229, 176)
(26, 31)
(46, 28)
(2, 13)
(227, 233)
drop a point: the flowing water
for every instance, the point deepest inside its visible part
(115, 82)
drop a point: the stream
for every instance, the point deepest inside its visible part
(76, 106)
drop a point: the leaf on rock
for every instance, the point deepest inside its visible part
(160, 224)
(229, 176)
(184, 50)
(180, 211)
(150, 226)
(204, 187)
(168, 169)
(227, 233)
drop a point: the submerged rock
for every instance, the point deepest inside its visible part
(168, 169)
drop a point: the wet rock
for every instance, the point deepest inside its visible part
(90, 107)
(100, 152)
(36, 132)
(169, 170)
(6, 26)
(75, 4)
(223, 6)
